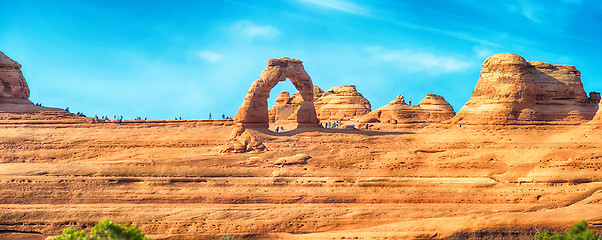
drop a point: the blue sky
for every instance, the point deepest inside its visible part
(162, 59)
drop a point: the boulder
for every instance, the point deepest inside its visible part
(433, 108)
(300, 158)
(513, 90)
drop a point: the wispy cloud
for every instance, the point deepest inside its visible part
(541, 12)
(341, 5)
(211, 56)
(251, 30)
(454, 34)
(481, 52)
(414, 61)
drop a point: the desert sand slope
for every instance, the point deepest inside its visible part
(432, 182)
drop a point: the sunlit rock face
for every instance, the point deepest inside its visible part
(254, 109)
(337, 103)
(341, 103)
(432, 109)
(513, 90)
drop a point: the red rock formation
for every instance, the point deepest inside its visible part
(254, 110)
(433, 108)
(13, 88)
(282, 110)
(14, 94)
(253, 113)
(598, 118)
(341, 103)
(513, 90)
(338, 103)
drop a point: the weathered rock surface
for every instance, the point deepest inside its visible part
(253, 113)
(433, 108)
(13, 88)
(338, 103)
(598, 117)
(409, 184)
(284, 111)
(300, 158)
(341, 103)
(254, 110)
(513, 90)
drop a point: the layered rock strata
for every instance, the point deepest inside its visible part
(341, 103)
(338, 103)
(513, 90)
(433, 108)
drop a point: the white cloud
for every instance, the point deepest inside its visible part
(210, 56)
(251, 30)
(413, 61)
(341, 5)
(483, 52)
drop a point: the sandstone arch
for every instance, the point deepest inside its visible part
(253, 112)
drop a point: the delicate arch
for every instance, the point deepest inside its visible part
(254, 110)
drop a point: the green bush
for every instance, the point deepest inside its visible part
(104, 230)
(577, 232)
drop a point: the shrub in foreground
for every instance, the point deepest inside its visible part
(104, 230)
(577, 232)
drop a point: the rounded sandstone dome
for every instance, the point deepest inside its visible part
(505, 58)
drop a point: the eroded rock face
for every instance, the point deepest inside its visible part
(254, 110)
(433, 108)
(598, 118)
(13, 88)
(338, 103)
(513, 90)
(341, 103)
(282, 110)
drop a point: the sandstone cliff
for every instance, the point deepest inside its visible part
(433, 108)
(513, 90)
